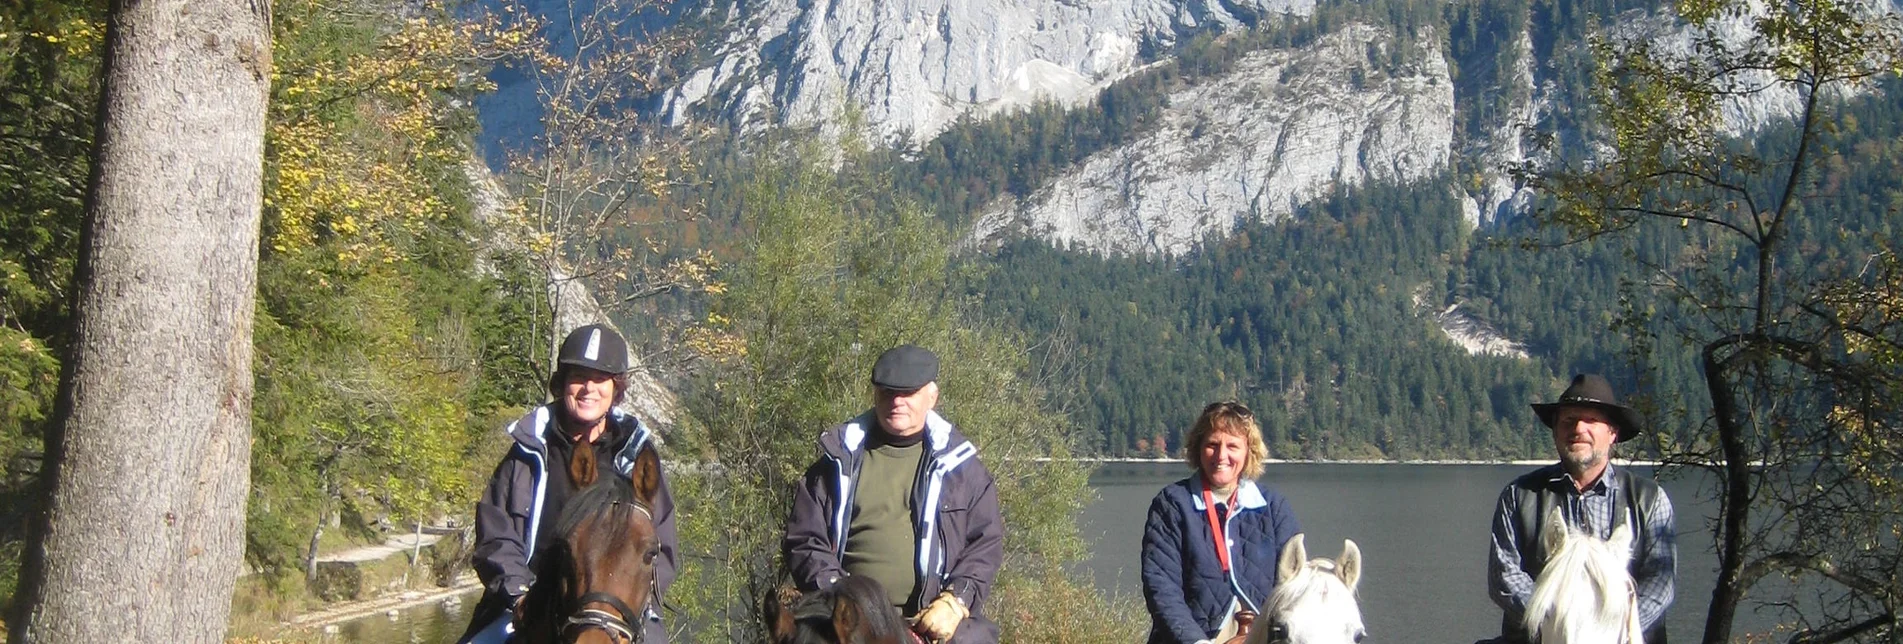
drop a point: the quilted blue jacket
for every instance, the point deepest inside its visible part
(1183, 582)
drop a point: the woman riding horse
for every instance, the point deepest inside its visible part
(559, 449)
(1212, 540)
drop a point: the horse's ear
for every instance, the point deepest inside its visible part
(646, 475)
(779, 618)
(1294, 556)
(1621, 540)
(1349, 566)
(1553, 531)
(847, 619)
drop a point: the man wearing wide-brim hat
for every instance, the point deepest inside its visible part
(1590, 495)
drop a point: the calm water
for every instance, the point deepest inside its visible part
(1422, 531)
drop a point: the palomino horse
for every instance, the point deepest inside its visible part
(593, 583)
(854, 611)
(1584, 595)
(1314, 599)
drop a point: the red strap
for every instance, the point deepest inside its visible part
(1215, 529)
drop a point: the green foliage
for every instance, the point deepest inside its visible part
(49, 62)
(1322, 323)
(382, 354)
(834, 274)
(1775, 282)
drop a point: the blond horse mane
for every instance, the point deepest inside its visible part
(1584, 595)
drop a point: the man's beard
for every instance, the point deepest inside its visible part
(1579, 463)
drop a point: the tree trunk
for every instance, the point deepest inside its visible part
(150, 448)
(1735, 500)
(310, 556)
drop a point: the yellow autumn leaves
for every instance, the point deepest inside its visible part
(357, 145)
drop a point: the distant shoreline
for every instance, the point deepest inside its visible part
(1620, 462)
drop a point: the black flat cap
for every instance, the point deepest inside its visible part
(905, 368)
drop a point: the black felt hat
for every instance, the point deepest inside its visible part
(1592, 390)
(905, 368)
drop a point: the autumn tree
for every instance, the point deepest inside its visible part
(592, 180)
(378, 334)
(150, 442)
(1797, 348)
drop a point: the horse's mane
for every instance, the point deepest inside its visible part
(608, 506)
(1583, 589)
(813, 614)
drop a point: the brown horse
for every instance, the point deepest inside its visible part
(854, 611)
(592, 585)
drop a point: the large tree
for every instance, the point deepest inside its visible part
(1732, 130)
(149, 449)
(835, 274)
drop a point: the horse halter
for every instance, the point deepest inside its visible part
(1278, 632)
(620, 625)
(623, 625)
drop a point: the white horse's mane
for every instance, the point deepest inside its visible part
(1314, 599)
(1584, 595)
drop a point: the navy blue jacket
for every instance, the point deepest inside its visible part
(509, 514)
(1183, 583)
(958, 522)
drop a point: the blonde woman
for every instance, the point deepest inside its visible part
(1211, 541)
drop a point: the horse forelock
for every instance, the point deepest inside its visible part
(1315, 601)
(600, 545)
(1581, 594)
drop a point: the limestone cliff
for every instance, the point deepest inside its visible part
(1283, 128)
(909, 68)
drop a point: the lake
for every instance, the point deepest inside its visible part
(1422, 530)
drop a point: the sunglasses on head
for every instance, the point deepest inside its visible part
(1230, 407)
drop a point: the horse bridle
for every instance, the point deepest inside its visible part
(620, 625)
(623, 624)
(1278, 632)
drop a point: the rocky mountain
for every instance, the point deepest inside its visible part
(909, 68)
(1283, 128)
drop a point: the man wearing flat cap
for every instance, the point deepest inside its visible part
(1591, 496)
(898, 495)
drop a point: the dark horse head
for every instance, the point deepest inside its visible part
(854, 611)
(593, 583)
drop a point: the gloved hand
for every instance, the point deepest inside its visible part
(940, 619)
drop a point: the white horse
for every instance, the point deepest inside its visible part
(1314, 599)
(1584, 595)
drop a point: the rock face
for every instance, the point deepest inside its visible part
(909, 68)
(1283, 128)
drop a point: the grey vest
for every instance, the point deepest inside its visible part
(1534, 496)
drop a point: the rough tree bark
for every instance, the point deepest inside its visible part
(150, 449)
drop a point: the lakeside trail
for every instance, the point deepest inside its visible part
(341, 612)
(333, 614)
